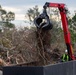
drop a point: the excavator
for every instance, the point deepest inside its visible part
(47, 25)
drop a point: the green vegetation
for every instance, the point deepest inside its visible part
(32, 13)
(72, 27)
(6, 18)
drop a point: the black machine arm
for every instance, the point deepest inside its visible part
(46, 24)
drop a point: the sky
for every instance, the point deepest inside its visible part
(20, 7)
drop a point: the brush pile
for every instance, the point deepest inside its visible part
(28, 46)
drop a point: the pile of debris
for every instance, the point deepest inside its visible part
(27, 46)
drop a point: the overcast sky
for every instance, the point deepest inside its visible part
(19, 7)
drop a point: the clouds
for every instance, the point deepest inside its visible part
(20, 2)
(20, 11)
(13, 9)
(20, 7)
(72, 9)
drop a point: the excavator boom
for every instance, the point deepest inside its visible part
(49, 25)
(64, 20)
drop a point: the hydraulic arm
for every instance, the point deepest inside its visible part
(63, 11)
